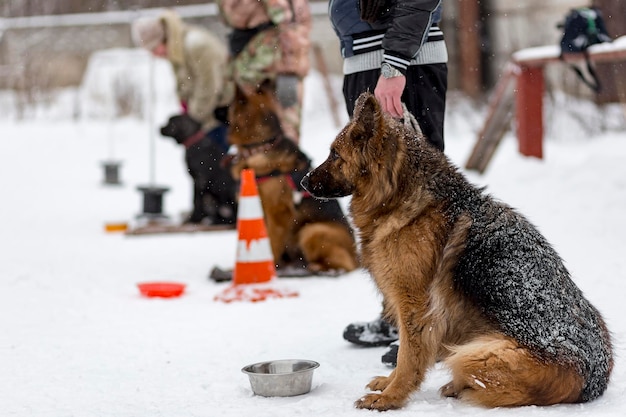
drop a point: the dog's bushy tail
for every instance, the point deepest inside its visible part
(495, 371)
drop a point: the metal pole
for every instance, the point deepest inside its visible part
(111, 138)
(151, 123)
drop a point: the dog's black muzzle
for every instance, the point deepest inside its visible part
(314, 189)
(319, 190)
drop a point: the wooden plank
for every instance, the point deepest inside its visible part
(469, 54)
(499, 116)
(541, 55)
(166, 228)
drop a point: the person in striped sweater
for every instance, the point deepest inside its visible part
(396, 49)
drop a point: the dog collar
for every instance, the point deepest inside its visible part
(246, 151)
(193, 139)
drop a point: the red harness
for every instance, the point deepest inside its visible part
(193, 139)
(245, 152)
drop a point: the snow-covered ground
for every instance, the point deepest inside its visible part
(77, 339)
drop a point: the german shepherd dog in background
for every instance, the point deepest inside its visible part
(465, 278)
(309, 233)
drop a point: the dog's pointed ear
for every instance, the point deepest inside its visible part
(367, 114)
(240, 96)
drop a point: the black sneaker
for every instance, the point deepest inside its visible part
(370, 334)
(390, 358)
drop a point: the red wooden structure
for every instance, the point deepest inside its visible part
(527, 69)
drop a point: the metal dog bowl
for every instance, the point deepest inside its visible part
(281, 378)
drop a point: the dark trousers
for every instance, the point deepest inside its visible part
(219, 135)
(424, 96)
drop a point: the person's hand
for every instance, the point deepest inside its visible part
(388, 91)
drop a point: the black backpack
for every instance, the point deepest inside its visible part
(582, 28)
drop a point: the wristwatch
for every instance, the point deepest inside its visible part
(388, 71)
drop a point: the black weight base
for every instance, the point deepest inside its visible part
(153, 203)
(111, 173)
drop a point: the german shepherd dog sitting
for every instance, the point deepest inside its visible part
(466, 278)
(309, 233)
(214, 196)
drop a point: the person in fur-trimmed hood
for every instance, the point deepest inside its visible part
(199, 60)
(269, 43)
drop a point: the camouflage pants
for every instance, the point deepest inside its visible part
(253, 67)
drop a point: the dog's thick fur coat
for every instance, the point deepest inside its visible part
(465, 278)
(309, 233)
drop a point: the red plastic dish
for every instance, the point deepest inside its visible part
(161, 289)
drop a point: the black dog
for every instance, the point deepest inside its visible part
(214, 190)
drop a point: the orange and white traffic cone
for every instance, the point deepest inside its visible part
(255, 262)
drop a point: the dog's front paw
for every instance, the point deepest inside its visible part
(379, 383)
(448, 390)
(378, 402)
